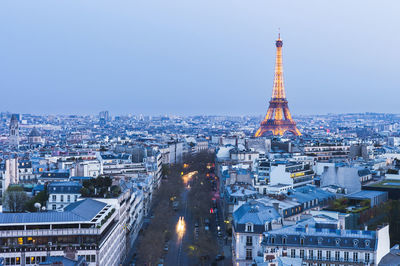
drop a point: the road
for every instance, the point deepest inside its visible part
(184, 233)
(177, 254)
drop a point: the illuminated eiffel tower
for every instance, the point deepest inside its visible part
(278, 119)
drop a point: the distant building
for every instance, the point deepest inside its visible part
(343, 176)
(327, 151)
(35, 137)
(54, 176)
(375, 197)
(291, 173)
(14, 130)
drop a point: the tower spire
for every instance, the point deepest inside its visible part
(278, 119)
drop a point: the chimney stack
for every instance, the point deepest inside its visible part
(276, 206)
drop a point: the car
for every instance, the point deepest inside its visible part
(219, 234)
(166, 248)
(206, 228)
(206, 221)
(196, 224)
(219, 257)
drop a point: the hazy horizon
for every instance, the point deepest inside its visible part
(191, 58)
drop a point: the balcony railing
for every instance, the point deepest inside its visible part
(53, 232)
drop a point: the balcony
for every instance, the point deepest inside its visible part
(53, 232)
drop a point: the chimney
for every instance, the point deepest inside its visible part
(276, 206)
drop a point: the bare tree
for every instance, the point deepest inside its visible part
(15, 199)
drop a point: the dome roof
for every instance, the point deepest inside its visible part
(34, 133)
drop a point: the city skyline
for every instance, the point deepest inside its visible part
(120, 58)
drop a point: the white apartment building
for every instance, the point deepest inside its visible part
(89, 227)
(250, 221)
(61, 194)
(92, 168)
(320, 241)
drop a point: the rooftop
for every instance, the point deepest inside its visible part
(256, 213)
(366, 194)
(80, 211)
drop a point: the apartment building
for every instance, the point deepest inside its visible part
(89, 227)
(320, 240)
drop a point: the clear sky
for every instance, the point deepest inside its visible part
(198, 57)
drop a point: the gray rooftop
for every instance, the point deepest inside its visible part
(80, 211)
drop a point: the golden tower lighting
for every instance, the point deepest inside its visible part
(278, 119)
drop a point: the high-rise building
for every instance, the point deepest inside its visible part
(278, 119)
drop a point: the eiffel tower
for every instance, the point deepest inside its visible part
(278, 119)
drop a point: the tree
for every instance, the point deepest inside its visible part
(15, 199)
(41, 198)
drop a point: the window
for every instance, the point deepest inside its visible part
(319, 254)
(301, 241)
(311, 254)
(76, 197)
(328, 255)
(93, 258)
(18, 260)
(249, 241)
(346, 256)
(272, 240)
(249, 254)
(355, 256)
(54, 197)
(366, 257)
(337, 255)
(302, 253)
(54, 207)
(293, 253)
(355, 242)
(249, 227)
(367, 243)
(284, 240)
(62, 198)
(68, 198)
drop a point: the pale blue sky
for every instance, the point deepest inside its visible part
(198, 57)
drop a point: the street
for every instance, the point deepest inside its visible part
(177, 255)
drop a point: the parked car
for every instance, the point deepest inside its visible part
(219, 257)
